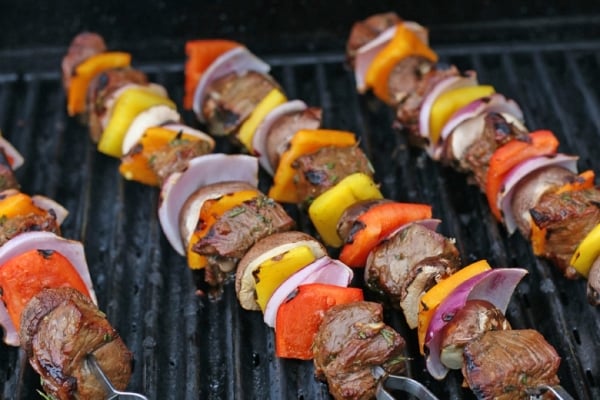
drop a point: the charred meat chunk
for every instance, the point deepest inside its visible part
(11, 227)
(59, 328)
(323, 169)
(8, 180)
(100, 90)
(82, 47)
(175, 155)
(364, 31)
(593, 284)
(409, 263)
(567, 218)
(230, 100)
(350, 341)
(236, 231)
(285, 128)
(406, 76)
(497, 131)
(408, 104)
(502, 364)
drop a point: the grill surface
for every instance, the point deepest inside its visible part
(187, 347)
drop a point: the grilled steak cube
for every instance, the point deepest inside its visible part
(350, 341)
(59, 328)
(364, 31)
(83, 46)
(502, 364)
(323, 169)
(11, 227)
(567, 218)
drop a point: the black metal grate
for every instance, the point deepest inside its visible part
(187, 347)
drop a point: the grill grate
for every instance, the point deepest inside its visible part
(189, 348)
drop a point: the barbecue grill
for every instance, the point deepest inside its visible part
(188, 347)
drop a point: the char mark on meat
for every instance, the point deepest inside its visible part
(174, 156)
(11, 227)
(231, 99)
(351, 340)
(59, 328)
(567, 218)
(323, 169)
(502, 364)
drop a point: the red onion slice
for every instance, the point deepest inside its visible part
(237, 60)
(46, 203)
(154, 116)
(495, 286)
(322, 270)
(259, 140)
(450, 83)
(365, 55)
(494, 103)
(14, 157)
(521, 171)
(201, 171)
(71, 249)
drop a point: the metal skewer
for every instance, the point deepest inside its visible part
(402, 383)
(558, 391)
(111, 392)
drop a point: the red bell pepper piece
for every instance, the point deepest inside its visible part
(378, 222)
(25, 275)
(505, 158)
(298, 318)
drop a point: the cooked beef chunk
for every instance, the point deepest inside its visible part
(406, 77)
(323, 169)
(101, 88)
(8, 180)
(83, 46)
(285, 128)
(174, 156)
(528, 192)
(502, 364)
(348, 225)
(350, 341)
(496, 132)
(11, 227)
(567, 218)
(474, 319)
(593, 284)
(236, 231)
(230, 100)
(406, 265)
(363, 32)
(59, 328)
(409, 107)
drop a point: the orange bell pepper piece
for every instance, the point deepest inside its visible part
(25, 275)
(405, 43)
(294, 336)
(506, 157)
(86, 71)
(200, 54)
(19, 204)
(136, 165)
(378, 222)
(210, 212)
(538, 239)
(584, 180)
(304, 142)
(434, 296)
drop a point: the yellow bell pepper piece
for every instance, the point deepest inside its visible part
(273, 272)
(306, 141)
(434, 296)
(129, 104)
(246, 132)
(587, 252)
(451, 101)
(210, 212)
(326, 210)
(405, 43)
(86, 71)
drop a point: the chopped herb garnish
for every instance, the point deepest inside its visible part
(236, 211)
(388, 336)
